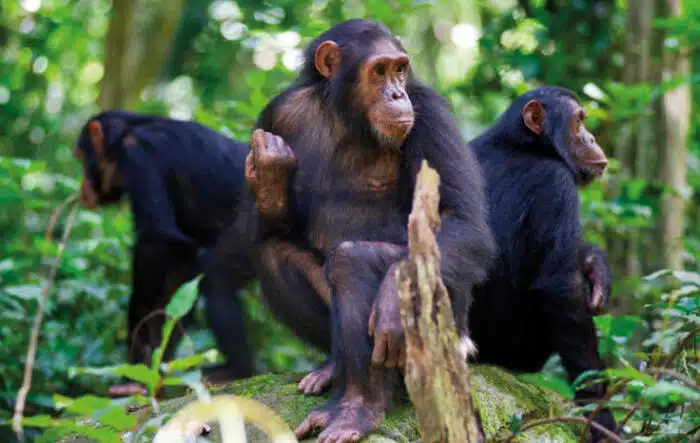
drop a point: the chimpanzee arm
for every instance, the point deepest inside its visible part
(554, 238)
(466, 243)
(144, 182)
(278, 223)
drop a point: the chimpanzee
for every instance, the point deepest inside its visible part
(533, 158)
(358, 124)
(185, 183)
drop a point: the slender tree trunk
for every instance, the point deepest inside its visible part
(126, 70)
(676, 106)
(634, 136)
(117, 42)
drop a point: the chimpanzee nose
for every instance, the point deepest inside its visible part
(397, 94)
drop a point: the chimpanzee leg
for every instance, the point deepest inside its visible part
(293, 283)
(159, 268)
(228, 268)
(295, 290)
(576, 343)
(355, 271)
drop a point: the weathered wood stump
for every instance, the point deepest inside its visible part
(437, 374)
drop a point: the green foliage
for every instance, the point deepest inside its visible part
(219, 72)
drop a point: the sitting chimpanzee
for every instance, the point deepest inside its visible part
(184, 183)
(533, 158)
(358, 126)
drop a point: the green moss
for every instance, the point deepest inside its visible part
(498, 395)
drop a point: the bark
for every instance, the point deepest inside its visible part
(676, 107)
(437, 374)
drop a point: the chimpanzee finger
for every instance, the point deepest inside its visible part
(270, 144)
(379, 352)
(250, 170)
(597, 300)
(372, 318)
(257, 143)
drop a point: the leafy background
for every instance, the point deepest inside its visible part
(220, 61)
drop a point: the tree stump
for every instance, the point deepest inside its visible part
(437, 374)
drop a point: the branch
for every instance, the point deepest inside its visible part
(659, 372)
(34, 338)
(436, 374)
(533, 423)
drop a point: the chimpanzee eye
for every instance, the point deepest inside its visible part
(380, 69)
(402, 68)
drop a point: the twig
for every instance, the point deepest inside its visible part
(533, 423)
(681, 346)
(608, 395)
(673, 374)
(48, 233)
(34, 338)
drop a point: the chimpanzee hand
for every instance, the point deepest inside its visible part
(268, 169)
(385, 325)
(596, 272)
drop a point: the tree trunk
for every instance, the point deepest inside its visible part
(635, 148)
(676, 106)
(437, 374)
(123, 77)
(117, 42)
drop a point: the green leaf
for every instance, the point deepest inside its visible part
(556, 384)
(664, 393)
(184, 299)
(193, 380)
(38, 421)
(515, 422)
(86, 404)
(632, 374)
(140, 373)
(190, 361)
(586, 376)
(117, 418)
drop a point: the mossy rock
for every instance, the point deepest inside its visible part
(498, 395)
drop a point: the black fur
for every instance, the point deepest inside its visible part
(324, 186)
(533, 303)
(185, 184)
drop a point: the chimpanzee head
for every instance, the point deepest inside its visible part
(97, 150)
(366, 73)
(555, 118)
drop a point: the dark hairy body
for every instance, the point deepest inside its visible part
(185, 184)
(533, 158)
(356, 126)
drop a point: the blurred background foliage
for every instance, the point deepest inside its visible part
(635, 66)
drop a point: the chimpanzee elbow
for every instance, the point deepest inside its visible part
(467, 253)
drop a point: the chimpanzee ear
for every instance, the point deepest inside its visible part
(533, 116)
(328, 58)
(97, 138)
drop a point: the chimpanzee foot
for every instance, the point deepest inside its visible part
(350, 420)
(126, 390)
(318, 380)
(317, 419)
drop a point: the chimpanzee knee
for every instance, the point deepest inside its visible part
(348, 258)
